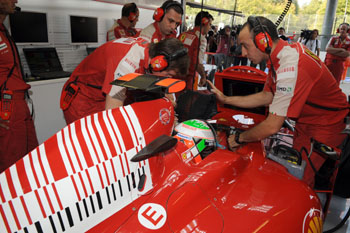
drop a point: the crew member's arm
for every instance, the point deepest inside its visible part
(271, 125)
(201, 71)
(200, 67)
(262, 98)
(337, 51)
(116, 100)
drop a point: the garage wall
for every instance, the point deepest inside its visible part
(58, 12)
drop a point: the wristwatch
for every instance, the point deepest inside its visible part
(237, 134)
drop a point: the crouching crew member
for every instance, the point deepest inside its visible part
(88, 90)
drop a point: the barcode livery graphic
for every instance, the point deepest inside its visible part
(82, 171)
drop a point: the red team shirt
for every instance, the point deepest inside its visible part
(16, 81)
(335, 63)
(119, 30)
(107, 63)
(190, 39)
(20, 138)
(152, 33)
(302, 77)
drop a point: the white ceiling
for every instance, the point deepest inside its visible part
(148, 4)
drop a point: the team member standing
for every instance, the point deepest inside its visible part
(125, 26)
(167, 18)
(295, 88)
(17, 132)
(338, 49)
(191, 39)
(88, 90)
(313, 43)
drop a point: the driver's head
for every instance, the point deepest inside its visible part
(168, 58)
(197, 136)
(168, 17)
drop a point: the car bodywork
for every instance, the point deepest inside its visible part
(82, 179)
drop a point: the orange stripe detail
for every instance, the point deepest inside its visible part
(26, 210)
(177, 87)
(166, 82)
(129, 77)
(14, 215)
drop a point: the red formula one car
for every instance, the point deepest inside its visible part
(121, 170)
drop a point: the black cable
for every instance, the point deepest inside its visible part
(339, 225)
(285, 11)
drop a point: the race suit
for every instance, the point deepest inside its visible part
(190, 39)
(303, 87)
(118, 30)
(20, 138)
(153, 34)
(95, 73)
(335, 63)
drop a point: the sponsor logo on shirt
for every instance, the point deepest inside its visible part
(122, 33)
(284, 90)
(130, 63)
(127, 40)
(286, 72)
(3, 46)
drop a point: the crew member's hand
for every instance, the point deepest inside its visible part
(4, 124)
(219, 95)
(202, 82)
(232, 145)
(171, 98)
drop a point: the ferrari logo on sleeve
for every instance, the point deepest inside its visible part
(313, 56)
(182, 37)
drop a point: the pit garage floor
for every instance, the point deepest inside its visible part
(339, 206)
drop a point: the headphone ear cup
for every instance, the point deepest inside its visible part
(159, 63)
(132, 17)
(261, 43)
(158, 14)
(205, 21)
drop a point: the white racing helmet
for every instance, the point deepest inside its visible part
(198, 136)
